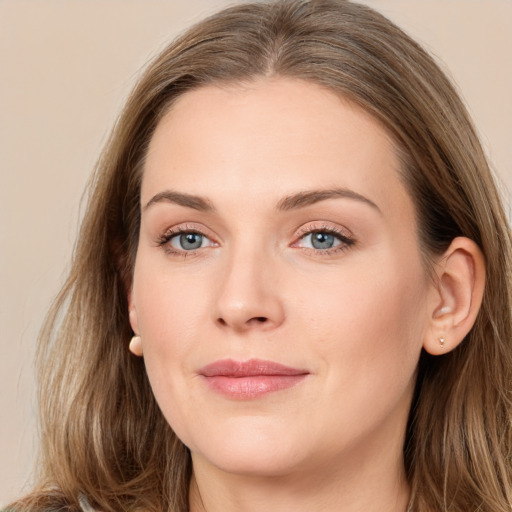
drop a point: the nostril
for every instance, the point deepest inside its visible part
(242, 323)
(256, 320)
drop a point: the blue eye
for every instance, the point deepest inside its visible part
(320, 240)
(323, 240)
(189, 241)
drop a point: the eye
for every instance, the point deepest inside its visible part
(326, 240)
(189, 241)
(184, 240)
(321, 240)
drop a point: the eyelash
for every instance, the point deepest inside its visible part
(345, 241)
(164, 240)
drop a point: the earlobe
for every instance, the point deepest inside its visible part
(457, 296)
(135, 346)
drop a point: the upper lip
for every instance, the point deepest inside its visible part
(250, 368)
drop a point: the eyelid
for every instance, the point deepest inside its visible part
(322, 225)
(163, 240)
(344, 236)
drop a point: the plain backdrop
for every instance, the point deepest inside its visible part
(66, 67)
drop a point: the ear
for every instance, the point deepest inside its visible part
(456, 296)
(132, 313)
(135, 345)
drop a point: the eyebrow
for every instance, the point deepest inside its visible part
(292, 202)
(307, 198)
(182, 199)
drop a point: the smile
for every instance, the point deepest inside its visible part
(245, 380)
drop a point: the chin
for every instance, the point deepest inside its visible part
(256, 462)
(252, 450)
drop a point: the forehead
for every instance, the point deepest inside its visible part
(270, 138)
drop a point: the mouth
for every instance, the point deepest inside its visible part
(245, 380)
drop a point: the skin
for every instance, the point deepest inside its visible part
(354, 316)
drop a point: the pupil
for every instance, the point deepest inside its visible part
(191, 241)
(322, 240)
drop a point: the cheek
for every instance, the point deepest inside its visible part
(366, 335)
(169, 319)
(369, 326)
(168, 302)
(171, 311)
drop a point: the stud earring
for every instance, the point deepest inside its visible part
(135, 345)
(441, 341)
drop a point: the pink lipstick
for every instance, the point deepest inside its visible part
(244, 380)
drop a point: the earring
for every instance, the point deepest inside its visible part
(135, 345)
(441, 341)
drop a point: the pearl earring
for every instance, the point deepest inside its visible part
(441, 341)
(135, 346)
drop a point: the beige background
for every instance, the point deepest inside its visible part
(65, 67)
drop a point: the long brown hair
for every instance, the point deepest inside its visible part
(102, 433)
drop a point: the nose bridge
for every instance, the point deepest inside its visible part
(249, 295)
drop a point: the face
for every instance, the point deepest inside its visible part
(278, 288)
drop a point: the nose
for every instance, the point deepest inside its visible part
(249, 296)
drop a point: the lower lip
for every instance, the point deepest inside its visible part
(254, 386)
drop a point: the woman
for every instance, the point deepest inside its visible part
(295, 225)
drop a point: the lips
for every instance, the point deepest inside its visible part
(250, 379)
